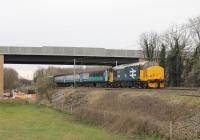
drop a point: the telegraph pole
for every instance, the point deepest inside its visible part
(74, 72)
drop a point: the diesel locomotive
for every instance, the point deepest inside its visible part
(141, 75)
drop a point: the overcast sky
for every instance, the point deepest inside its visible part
(87, 23)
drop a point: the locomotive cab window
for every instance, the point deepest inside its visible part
(149, 64)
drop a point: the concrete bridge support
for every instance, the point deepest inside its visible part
(1, 74)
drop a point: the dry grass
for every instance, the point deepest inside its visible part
(133, 111)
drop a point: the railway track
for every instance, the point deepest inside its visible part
(194, 91)
(181, 88)
(179, 91)
(111, 88)
(190, 95)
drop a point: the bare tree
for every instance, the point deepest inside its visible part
(192, 72)
(177, 36)
(195, 33)
(177, 40)
(150, 45)
(10, 78)
(195, 28)
(43, 84)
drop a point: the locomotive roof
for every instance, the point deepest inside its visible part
(128, 65)
(147, 63)
(86, 71)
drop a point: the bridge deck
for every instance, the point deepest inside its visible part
(66, 55)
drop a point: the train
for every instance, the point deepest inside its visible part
(140, 75)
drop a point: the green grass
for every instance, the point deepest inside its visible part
(33, 122)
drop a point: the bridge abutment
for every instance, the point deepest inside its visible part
(1, 74)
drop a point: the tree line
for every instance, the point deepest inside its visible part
(177, 50)
(12, 80)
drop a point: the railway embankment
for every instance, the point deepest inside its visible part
(167, 113)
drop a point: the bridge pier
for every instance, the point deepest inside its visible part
(1, 74)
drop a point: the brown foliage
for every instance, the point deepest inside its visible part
(134, 111)
(138, 115)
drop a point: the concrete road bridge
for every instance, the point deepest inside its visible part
(65, 56)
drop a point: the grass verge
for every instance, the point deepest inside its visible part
(30, 122)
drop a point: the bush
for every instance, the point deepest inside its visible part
(144, 115)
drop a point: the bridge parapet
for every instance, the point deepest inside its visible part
(70, 51)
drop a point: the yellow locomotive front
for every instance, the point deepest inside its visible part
(152, 74)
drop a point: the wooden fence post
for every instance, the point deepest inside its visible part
(170, 130)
